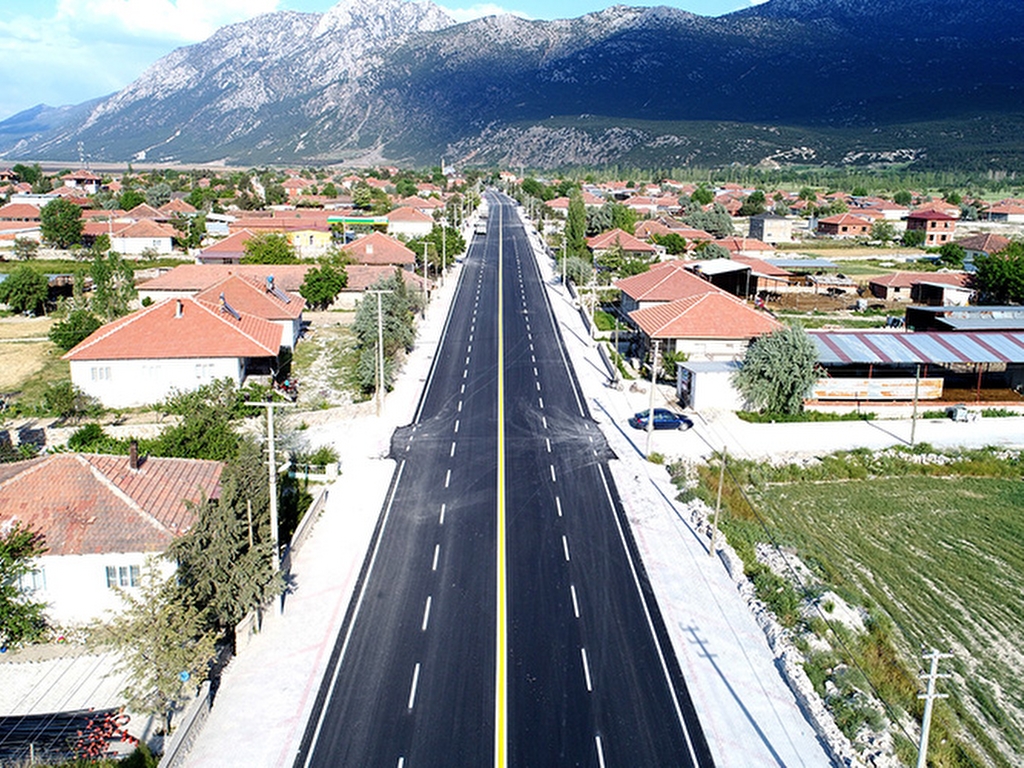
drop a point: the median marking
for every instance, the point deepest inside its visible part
(426, 615)
(412, 688)
(575, 602)
(586, 669)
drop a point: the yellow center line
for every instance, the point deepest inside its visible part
(501, 650)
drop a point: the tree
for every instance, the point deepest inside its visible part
(163, 643)
(952, 255)
(396, 325)
(754, 204)
(78, 325)
(322, 285)
(913, 238)
(576, 225)
(702, 195)
(205, 430)
(716, 222)
(362, 195)
(21, 619)
(30, 174)
(66, 401)
(158, 194)
(131, 198)
(113, 285)
(673, 243)
(61, 222)
(710, 250)
(778, 371)
(225, 565)
(25, 248)
(999, 277)
(269, 248)
(25, 290)
(329, 190)
(903, 197)
(883, 230)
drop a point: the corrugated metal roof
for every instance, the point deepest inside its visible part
(881, 347)
(803, 263)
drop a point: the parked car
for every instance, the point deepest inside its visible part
(663, 419)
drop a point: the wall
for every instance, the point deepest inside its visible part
(76, 590)
(130, 383)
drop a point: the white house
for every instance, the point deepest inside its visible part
(409, 222)
(141, 236)
(101, 518)
(178, 344)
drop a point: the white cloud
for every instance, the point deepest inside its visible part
(479, 10)
(180, 20)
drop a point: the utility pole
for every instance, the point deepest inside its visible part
(270, 405)
(718, 505)
(563, 261)
(444, 249)
(379, 374)
(929, 699)
(424, 279)
(650, 407)
(913, 418)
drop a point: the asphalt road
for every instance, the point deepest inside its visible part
(502, 617)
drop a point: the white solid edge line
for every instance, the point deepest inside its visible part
(650, 622)
(355, 615)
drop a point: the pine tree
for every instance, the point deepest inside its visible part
(576, 225)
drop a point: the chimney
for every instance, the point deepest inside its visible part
(180, 309)
(133, 455)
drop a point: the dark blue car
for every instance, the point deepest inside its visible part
(663, 419)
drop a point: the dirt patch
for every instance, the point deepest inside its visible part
(325, 360)
(25, 327)
(19, 361)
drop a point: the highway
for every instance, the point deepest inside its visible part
(502, 616)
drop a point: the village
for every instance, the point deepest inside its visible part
(224, 287)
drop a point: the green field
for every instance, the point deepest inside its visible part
(935, 553)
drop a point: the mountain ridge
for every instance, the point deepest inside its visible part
(402, 81)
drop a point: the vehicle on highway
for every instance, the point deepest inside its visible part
(663, 419)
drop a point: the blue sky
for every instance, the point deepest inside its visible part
(61, 52)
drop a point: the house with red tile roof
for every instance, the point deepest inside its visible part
(261, 299)
(844, 225)
(984, 244)
(228, 250)
(954, 287)
(939, 205)
(661, 284)
(84, 180)
(188, 279)
(178, 344)
(710, 326)
(363, 276)
(177, 207)
(746, 246)
(1009, 211)
(409, 221)
(938, 227)
(101, 517)
(23, 212)
(642, 204)
(144, 236)
(381, 250)
(632, 247)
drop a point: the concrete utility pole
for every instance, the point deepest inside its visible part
(424, 278)
(913, 418)
(929, 697)
(650, 407)
(379, 373)
(718, 505)
(564, 287)
(270, 405)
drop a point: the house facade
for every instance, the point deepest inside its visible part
(177, 345)
(938, 227)
(101, 517)
(771, 228)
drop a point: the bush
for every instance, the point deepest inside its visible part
(67, 402)
(75, 329)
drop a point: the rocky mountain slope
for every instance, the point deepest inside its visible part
(367, 81)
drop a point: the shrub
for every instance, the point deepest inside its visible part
(75, 329)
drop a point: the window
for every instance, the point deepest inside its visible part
(34, 581)
(100, 373)
(123, 576)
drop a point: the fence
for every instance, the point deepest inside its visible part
(192, 721)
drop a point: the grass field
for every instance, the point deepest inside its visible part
(935, 553)
(326, 360)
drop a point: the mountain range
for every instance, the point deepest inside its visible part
(926, 83)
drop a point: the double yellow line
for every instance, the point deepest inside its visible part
(501, 634)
